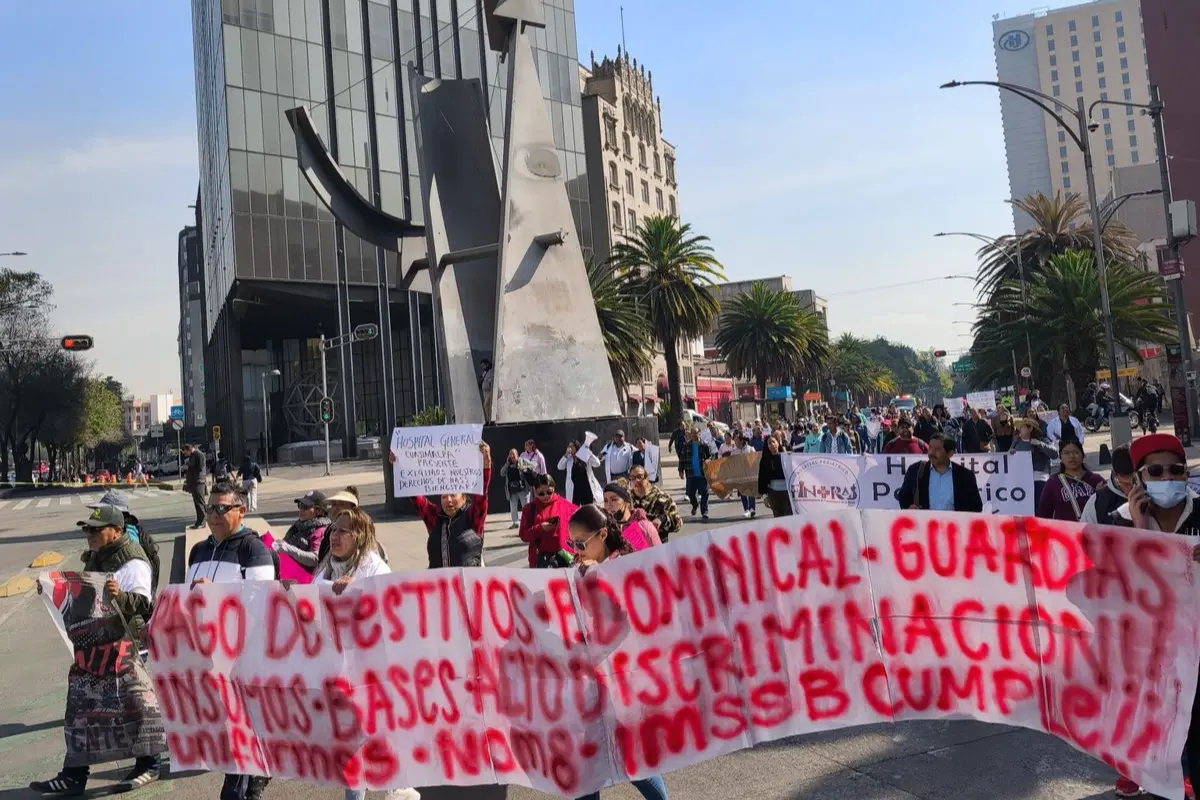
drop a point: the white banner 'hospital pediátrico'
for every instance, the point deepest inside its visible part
(827, 482)
(567, 681)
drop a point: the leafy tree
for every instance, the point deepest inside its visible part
(1065, 318)
(627, 337)
(671, 272)
(854, 370)
(768, 335)
(1060, 224)
(915, 372)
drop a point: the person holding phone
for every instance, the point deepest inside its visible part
(1160, 500)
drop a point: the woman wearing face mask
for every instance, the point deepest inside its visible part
(635, 527)
(1065, 495)
(1160, 500)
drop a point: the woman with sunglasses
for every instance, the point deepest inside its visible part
(635, 527)
(1162, 501)
(660, 509)
(1065, 494)
(544, 524)
(302, 542)
(596, 537)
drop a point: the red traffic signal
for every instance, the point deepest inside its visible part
(939, 353)
(77, 343)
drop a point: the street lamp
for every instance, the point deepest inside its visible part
(1119, 424)
(267, 419)
(1113, 206)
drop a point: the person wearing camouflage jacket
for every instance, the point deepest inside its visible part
(659, 507)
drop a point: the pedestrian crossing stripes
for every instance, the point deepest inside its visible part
(75, 500)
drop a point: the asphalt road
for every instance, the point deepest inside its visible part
(951, 760)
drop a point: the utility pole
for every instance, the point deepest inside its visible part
(1181, 320)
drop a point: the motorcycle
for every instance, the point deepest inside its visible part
(1097, 421)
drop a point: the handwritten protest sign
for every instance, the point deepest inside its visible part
(680, 653)
(112, 712)
(984, 401)
(442, 459)
(826, 482)
(954, 405)
(731, 474)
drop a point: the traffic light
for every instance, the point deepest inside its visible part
(366, 331)
(77, 343)
(939, 353)
(326, 410)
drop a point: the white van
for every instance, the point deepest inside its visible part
(700, 421)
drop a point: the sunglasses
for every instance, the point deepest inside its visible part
(579, 546)
(548, 493)
(1158, 470)
(219, 509)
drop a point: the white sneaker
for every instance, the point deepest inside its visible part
(402, 794)
(746, 514)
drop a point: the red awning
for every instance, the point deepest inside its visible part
(651, 398)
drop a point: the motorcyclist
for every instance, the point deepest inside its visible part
(1146, 401)
(1103, 402)
(1089, 396)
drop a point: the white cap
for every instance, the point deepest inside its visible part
(343, 497)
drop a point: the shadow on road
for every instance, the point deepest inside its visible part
(8, 729)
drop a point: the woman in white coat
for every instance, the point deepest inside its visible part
(581, 486)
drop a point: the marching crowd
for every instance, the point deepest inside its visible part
(334, 540)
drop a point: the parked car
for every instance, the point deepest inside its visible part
(701, 421)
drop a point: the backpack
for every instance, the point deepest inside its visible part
(243, 554)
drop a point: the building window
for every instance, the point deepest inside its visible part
(642, 154)
(1062, 151)
(1054, 90)
(1074, 40)
(1095, 21)
(612, 175)
(1075, 56)
(628, 151)
(1078, 87)
(1128, 94)
(1066, 167)
(1108, 145)
(610, 133)
(686, 374)
(1108, 129)
(1050, 45)
(671, 205)
(1067, 182)
(1134, 156)
(1053, 60)
(671, 170)
(1071, 25)
(1062, 137)
(645, 192)
(1054, 76)
(616, 215)
(1120, 17)
(1124, 63)
(1112, 160)
(1128, 109)
(658, 201)
(628, 182)
(632, 221)
(1100, 67)
(1078, 72)
(1049, 30)
(1133, 141)
(1103, 82)
(1104, 113)
(1120, 47)
(657, 165)
(1132, 127)
(1104, 95)
(1099, 51)
(1120, 31)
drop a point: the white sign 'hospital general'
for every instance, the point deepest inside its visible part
(443, 459)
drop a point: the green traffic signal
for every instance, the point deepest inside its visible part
(366, 331)
(326, 410)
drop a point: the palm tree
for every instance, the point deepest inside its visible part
(626, 332)
(1060, 224)
(767, 334)
(671, 272)
(1064, 316)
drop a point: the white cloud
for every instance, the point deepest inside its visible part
(97, 156)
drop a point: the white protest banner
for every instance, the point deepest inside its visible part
(984, 401)
(653, 459)
(826, 482)
(441, 459)
(684, 652)
(954, 405)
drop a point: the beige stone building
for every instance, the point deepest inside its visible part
(631, 176)
(631, 167)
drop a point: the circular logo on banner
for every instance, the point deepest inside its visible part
(823, 484)
(1013, 41)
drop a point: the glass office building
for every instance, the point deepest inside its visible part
(273, 254)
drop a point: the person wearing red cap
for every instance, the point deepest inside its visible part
(1161, 501)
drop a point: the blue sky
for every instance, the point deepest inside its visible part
(812, 138)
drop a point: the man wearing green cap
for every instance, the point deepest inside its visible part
(111, 551)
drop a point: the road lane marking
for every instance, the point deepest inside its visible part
(3, 503)
(64, 501)
(43, 503)
(21, 505)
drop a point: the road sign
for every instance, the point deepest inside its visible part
(216, 433)
(177, 425)
(176, 412)
(1026, 372)
(963, 366)
(1123, 372)
(156, 431)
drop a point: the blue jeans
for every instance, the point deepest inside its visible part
(651, 788)
(749, 503)
(698, 484)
